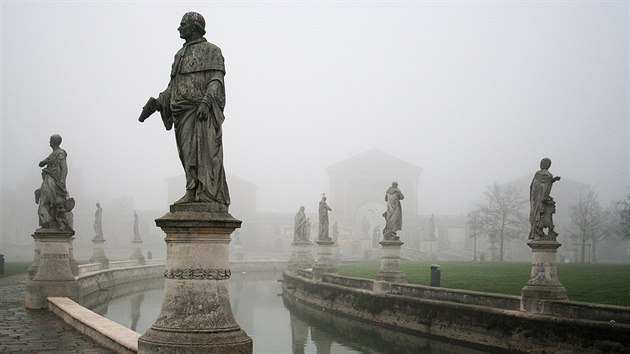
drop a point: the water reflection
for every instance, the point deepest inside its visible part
(276, 326)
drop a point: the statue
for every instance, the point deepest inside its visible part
(299, 226)
(98, 221)
(376, 236)
(193, 102)
(55, 205)
(335, 232)
(136, 232)
(323, 219)
(393, 215)
(542, 206)
(307, 229)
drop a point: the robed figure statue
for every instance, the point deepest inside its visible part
(323, 219)
(54, 205)
(193, 102)
(300, 233)
(542, 206)
(393, 215)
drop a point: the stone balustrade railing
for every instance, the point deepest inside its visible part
(96, 267)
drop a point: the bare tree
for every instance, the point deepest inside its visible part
(620, 211)
(588, 221)
(502, 214)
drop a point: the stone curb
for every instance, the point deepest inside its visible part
(104, 331)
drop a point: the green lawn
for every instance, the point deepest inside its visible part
(13, 268)
(597, 283)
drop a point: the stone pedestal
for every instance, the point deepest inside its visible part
(301, 255)
(325, 262)
(32, 270)
(54, 274)
(74, 265)
(390, 262)
(196, 316)
(136, 253)
(543, 285)
(98, 252)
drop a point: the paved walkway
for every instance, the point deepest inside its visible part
(36, 331)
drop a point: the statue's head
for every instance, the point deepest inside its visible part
(301, 208)
(324, 198)
(98, 205)
(55, 140)
(192, 22)
(545, 163)
(394, 184)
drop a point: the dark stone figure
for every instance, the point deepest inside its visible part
(299, 226)
(55, 206)
(323, 219)
(194, 101)
(393, 215)
(542, 206)
(376, 236)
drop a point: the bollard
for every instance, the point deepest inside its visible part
(435, 275)
(1, 264)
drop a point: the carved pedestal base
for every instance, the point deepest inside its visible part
(543, 285)
(390, 262)
(325, 262)
(54, 274)
(32, 270)
(98, 252)
(196, 316)
(301, 256)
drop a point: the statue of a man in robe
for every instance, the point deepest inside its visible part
(193, 102)
(323, 219)
(542, 205)
(299, 226)
(393, 215)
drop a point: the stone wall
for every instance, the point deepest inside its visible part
(464, 316)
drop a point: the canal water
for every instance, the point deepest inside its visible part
(276, 326)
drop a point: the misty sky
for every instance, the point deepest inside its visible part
(470, 92)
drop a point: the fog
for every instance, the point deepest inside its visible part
(472, 93)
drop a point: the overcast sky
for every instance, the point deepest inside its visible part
(471, 92)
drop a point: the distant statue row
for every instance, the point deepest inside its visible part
(393, 218)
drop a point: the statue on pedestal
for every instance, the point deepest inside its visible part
(300, 233)
(542, 205)
(393, 215)
(193, 102)
(55, 205)
(323, 219)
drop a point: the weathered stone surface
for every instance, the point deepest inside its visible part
(54, 275)
(196, 316)
(543, 284)
(325, 262)
(301, 255)
(390, 262)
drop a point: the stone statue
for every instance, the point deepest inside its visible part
(55, 205)
(299, 226)
(194, 101)
(542, 206)
(335, 232)
(136, 232)
(393, 215)
(323, 219)
(98, 221)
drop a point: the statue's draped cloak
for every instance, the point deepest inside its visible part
(539, 191)
(53, 191)
(393, 215)
(196, 77)
(299, 227)
(323, 220)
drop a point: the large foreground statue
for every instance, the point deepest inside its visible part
(194, 101)
(55, 206)
(393, 215)
(542, 205)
